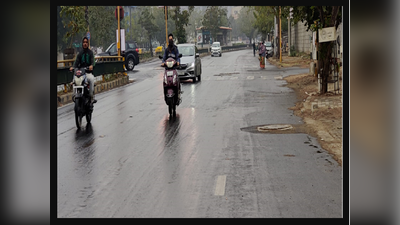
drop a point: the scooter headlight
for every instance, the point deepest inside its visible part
(170, 64)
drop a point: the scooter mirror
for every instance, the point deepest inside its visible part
(180, 55)
(160, 57)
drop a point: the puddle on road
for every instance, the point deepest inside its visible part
(226, 74)
(277, 128)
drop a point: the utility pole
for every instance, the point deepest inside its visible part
(166, 25)
(119, 33)
(280, 35)
(87, 21)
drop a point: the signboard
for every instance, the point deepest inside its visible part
(200, 38)
(122, 39)
(88, 35)
(327, 34)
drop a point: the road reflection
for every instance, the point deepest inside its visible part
(84, 150)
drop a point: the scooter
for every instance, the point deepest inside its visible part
(81, 97)
(172, 85)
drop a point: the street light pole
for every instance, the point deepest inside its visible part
(166, 25)
(280, 35)
(119, 33)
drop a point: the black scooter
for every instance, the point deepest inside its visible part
(81, 97)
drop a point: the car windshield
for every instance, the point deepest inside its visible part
(109, 47)
(186, 50)
(268, 44)
(215, 45)
(131, 45)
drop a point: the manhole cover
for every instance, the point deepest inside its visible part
(275, 127)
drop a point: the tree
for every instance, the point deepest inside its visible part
(181, 19)
(147, 21)
(74, 18)
(194, 22)
(264, 19)
(215, 17)
(102, 25)
(235, 27)
(316, 18)
(246, 22)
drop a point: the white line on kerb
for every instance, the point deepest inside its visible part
(220, 185)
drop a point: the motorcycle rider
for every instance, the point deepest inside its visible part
(83, 59)
(172, 51)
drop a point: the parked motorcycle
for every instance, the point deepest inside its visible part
(172, 85)
(81, 97)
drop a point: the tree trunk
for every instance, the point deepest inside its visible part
(277, 43)
(151, 49)
(324, 63)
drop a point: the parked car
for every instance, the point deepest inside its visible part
(269, 49)
(131, 54)
(190, 66)
(216, 49)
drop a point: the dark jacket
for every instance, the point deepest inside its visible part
(84, 58)
(174, 53)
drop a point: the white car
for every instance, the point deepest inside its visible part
(216, 49)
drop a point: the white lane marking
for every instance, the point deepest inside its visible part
(234, 78)
(220, 78)
(264, 77)
(220, 185)
(250, 77)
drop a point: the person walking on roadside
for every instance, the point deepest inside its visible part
(254, 48)
(261, 53)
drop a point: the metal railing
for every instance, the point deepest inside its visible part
(224, 48)
(104, 65)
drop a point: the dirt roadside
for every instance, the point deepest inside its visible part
(322, 113)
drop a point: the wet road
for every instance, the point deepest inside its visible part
(134, 161)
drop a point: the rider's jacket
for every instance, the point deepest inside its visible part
(171, 52)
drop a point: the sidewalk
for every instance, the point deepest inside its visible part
(322, 113)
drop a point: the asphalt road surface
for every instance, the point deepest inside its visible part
(135, 161)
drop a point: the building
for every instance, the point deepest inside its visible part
(304, 41)
(223, 36)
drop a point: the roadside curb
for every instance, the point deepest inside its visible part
(67, 98)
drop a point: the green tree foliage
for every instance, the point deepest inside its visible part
(264, 19)
(102, 25)
(246, 23)
(146, 19)
(215, 17)
(315, 18)
(73, 18)
(194, 22)
(235, 27)
(181, 19)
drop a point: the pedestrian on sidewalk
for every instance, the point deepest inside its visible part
(254, 48)
(261, 53)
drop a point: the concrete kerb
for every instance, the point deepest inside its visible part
(67, 98)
